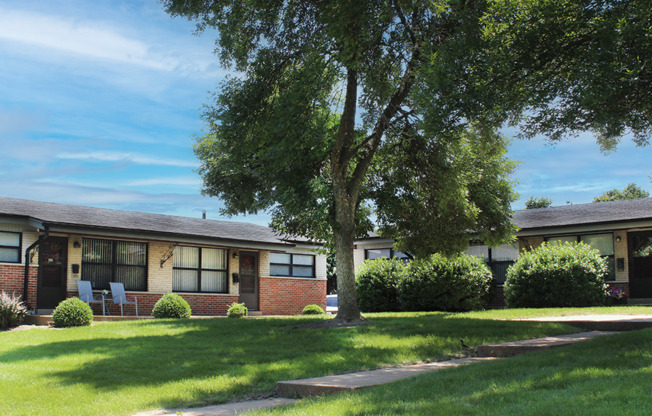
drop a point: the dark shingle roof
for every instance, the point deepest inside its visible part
(80, 216)
(583, 214)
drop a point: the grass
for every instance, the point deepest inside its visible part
(121, 368)
(605, 376)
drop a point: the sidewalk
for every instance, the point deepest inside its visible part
(292, 389)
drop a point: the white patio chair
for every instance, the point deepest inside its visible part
(119, 296)
(85, 291)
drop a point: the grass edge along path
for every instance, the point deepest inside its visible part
(608, 375)
(125, 367)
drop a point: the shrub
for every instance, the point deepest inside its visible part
(171, 305)
(557, 275)
(312, 310)
(72, 312)
(441, 283)
(237, 310)
(12, 311)
(377, 285)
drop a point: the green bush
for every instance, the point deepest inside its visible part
(171, 305)
(12, 311)
(312, 310)
(237, 310)
(377, 284)
(72, 312)
(557, 275)
(441, 283)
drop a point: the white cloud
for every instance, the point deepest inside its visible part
(126, 157)
(165, 181)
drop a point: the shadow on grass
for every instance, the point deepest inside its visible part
(222, 359)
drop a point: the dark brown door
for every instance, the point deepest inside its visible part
(249, 280)
(640, 264)
(53, 264)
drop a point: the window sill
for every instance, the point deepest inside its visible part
(294, 277)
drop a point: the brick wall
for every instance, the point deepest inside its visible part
(201, 304)
(288, 296)
(11, 280)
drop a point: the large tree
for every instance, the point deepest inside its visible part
(340, 108)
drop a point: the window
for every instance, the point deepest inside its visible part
(200, 269)
(498, 259)
(9, 247)
(604, 243)
(105, 261)
(385, 253)
(291, 265)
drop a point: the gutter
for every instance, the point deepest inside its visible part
(41, 238)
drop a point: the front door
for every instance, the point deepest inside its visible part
(249, 280)
(53, 264)
(640, 264)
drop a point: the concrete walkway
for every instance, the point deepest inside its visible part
(290, 390)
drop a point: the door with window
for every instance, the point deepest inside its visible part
(249, 280)
(640, 264)
(53, 265)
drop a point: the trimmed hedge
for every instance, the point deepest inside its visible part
(441, 283)
(312, 310)
(377, 284)
(72, 312)
(171, 305)
(557, 275)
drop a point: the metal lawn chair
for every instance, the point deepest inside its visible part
(85, 291)
(119, 296)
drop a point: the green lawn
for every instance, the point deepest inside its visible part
(606, 376)
(123, 367)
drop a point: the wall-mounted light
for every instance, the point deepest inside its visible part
(76, 244)
(235, 254)
(618, 239)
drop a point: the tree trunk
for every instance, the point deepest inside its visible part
(347, 297)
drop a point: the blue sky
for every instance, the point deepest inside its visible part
(100, 100)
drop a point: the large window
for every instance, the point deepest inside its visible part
(9, 247)
(604, 243)
(105, 261)
(291, 265)
(498, 259)
(200, 269)
(385, 253)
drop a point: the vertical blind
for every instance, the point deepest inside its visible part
(199, 269)
(105, 261)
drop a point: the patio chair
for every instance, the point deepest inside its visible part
(119, 296)
(85, 291)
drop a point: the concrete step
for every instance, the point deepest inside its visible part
(510, 349)
(221, 409)
(353, 381)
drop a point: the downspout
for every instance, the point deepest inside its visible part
(41, 238)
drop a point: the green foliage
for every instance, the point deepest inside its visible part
(533, 203)
(312, 310)
(12, 311)
(237, 310)
(631, 191)
(171, 305)
(441, 283)
(557, 275)
(377, 284)
(72, 312)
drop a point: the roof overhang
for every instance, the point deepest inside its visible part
(586, 228)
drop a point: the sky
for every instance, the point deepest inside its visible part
(100, 104)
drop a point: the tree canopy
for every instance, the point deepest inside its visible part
(337, 109)
(631, 191)
(541, 202)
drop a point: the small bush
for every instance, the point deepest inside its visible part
(72, 312)
(237, 310)
(557, 275)
(171, 305)
(312, 310)
(377, 285)
(441, 283)
(12, 311)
